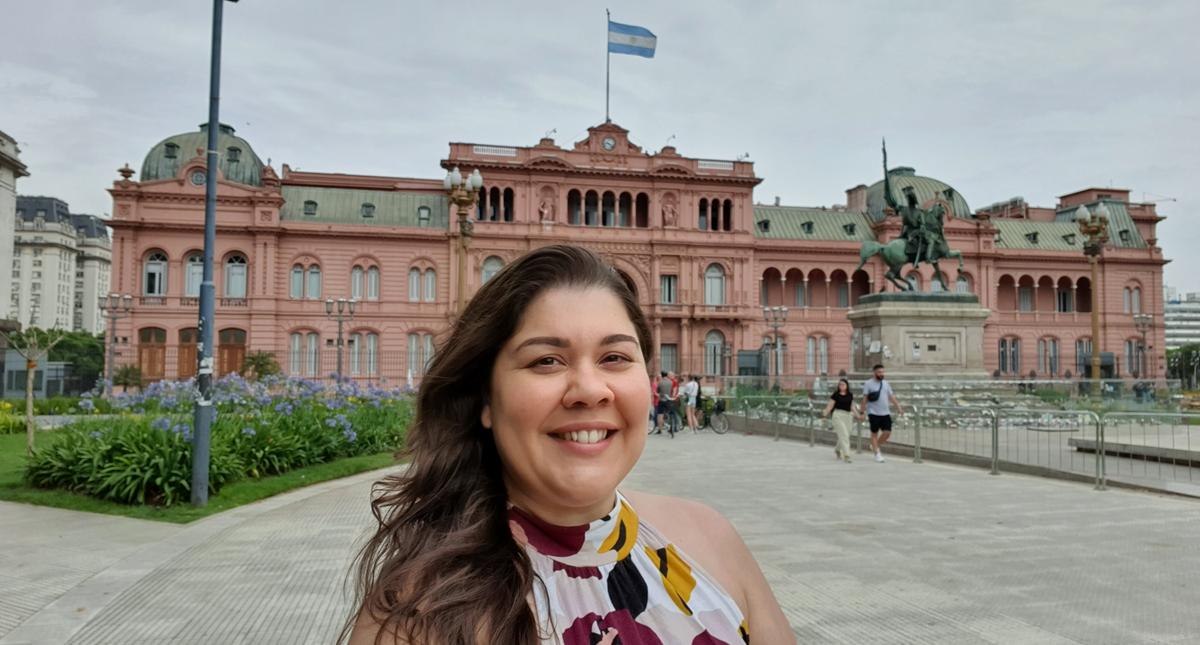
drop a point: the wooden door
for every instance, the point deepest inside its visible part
(186, 362)
(231, 351)
(152, 353)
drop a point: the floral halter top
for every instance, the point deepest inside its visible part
(617, 581)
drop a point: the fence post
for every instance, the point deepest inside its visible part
(1101, 452)
(995, 442)
(812, 429)
(917, 422)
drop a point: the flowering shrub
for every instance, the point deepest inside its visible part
(261, 428)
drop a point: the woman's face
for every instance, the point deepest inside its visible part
(843, 388)
(568, 404)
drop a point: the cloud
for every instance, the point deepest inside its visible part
(1016, 97)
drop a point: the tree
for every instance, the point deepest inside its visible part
(128, 376)
(33, 345)
(259, 364)
(85, 353)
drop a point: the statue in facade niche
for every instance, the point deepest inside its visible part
(922, 233)
(546, 210)
(669, 214)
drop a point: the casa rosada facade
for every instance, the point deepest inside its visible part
(706, 258)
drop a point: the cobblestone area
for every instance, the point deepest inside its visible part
(857, 553)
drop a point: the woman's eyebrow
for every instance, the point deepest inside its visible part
(554, 341)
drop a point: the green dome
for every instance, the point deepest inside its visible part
(238, 162)
(926, 188)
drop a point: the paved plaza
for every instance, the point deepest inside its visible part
(857, 553)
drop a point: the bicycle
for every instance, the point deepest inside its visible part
(712, 415)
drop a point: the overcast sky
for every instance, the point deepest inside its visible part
(998, 98)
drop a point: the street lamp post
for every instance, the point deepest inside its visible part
(1094, 228)
(464, 194)
(776, 318)
(340, 310)
(116, 306)
(1143, 323)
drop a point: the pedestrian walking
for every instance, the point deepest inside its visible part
(673, 425)
(663, 407)
(691, 394)
(841, 409)
(877, 394)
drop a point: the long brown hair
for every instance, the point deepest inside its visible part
(442, 566)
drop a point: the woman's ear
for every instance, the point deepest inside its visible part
(485, 416)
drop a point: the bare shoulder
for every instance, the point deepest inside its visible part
(713, 543)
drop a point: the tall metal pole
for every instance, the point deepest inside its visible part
(112, 354)
(1095, 329)
(339, 352)
(203, 411)
(607, 62)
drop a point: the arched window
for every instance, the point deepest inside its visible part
(171, 150)
(235, 276)
(372, 354)
(938, 284)
(1048, 356)
(963, 284)
(312, 361)
(491, 267)
(714, 348)
(727, 211)
(508, 204)
(914, 280)
(356, 282)
(643, 210)
(193, 275)
(702, 220)
(714, 285)
(1126, 300)
(430, 291)
(1137, 300)
(420, 353)
(353, 347)
(313, 292)
(296, 286)
(423, 216)
(373, 283)
(414, 285)
(1009, 355)
(310, 208)
(801, 293)
(295, 358)
(591, 206)
(367, 210)
(154, 274)
(233, 154)
(495, 204)
(608, 209)
(1083, 356)
(574, 207)
(823, 354)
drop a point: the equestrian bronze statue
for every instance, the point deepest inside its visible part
(922, 237)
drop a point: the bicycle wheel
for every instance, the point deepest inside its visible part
(719, 423)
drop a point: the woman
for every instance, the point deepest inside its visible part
(691, 392)
(841, 405)
(507, 526)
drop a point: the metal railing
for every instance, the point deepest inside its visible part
(1158, 450)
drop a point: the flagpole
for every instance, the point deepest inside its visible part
(607, 62)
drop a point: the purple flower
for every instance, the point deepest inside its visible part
(87, 405)
(283, 407)
(350, 435)
(161, 423)
(249, 432)
(330, 422)
(95, 434)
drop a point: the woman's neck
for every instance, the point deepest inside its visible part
(559, 514)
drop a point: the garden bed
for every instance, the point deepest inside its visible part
(268, 437)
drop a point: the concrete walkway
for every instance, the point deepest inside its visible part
(857, 553)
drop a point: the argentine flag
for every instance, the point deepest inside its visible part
(628, 39)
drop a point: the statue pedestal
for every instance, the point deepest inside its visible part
(918, 336)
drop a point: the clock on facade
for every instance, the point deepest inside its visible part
(198, 177)
(609, 143)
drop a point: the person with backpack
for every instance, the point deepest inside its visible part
(877, 394)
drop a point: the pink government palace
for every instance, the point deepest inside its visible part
(706, 259)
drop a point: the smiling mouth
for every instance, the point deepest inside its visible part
(584, 436)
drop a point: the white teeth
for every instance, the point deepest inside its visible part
(585, 436)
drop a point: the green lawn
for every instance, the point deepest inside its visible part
(14, 489)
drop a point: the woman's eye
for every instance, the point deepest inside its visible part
(546, 361)
(618, 357)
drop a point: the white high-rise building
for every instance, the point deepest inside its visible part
(1181, 317)
(11, 169)
(61, 266)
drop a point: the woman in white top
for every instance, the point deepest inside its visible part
(691, 392)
